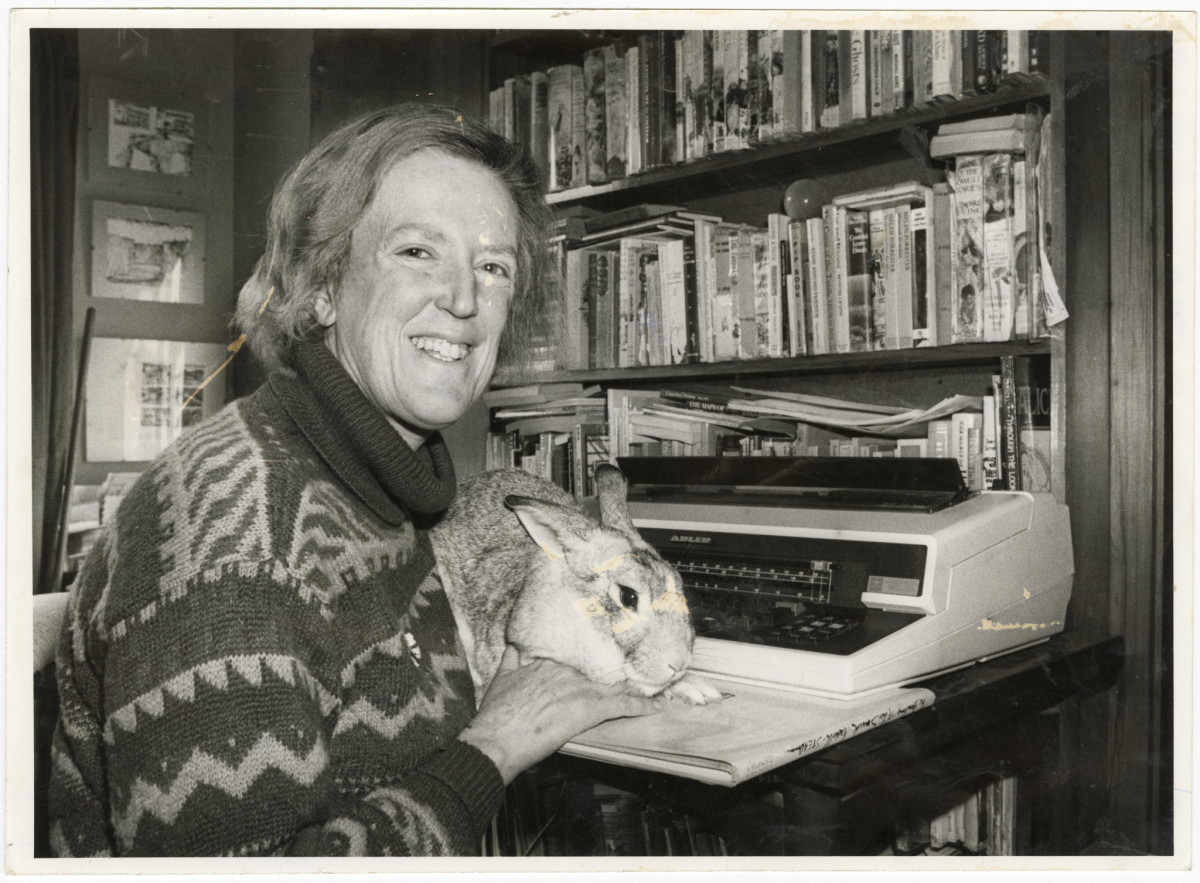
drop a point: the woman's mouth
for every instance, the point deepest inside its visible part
(441, 349)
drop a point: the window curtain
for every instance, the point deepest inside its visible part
(53, 123)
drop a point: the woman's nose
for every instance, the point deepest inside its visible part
(456, 292)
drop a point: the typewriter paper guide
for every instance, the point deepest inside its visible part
(838, 602)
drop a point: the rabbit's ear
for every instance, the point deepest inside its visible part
(611, 488)
(555, 528)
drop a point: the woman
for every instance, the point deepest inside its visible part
(258, 656)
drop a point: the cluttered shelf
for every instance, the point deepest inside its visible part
(955, 355)
(819, 152)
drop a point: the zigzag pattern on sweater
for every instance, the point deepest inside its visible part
(365, 713)
(216, 673)
(333, 546)
(213, 483)
(203, 768)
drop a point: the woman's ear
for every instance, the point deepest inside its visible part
(324, 309)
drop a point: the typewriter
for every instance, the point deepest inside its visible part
(842, 576)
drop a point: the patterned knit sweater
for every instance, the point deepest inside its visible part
(258, 656)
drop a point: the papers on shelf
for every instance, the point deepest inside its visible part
(754, 729)
(837, 414)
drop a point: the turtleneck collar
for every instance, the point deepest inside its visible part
(358, 443)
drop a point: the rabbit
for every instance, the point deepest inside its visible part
(522, 564)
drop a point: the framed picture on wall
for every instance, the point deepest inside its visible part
(143, 394)
(144, 253)
(148, 138)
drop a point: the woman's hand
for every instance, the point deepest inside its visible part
(530, 711)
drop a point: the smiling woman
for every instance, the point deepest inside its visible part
(259, 656)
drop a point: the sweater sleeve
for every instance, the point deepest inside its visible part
(170, 743)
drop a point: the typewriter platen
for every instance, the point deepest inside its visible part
(839, 576)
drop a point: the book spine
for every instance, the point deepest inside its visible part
(858, 280)
(688, 84)
(616, 112)
(775, 78)
(990, 449)
(967, 61)
(1017, 55)
(741, 120)
(798, 71)
(720, 45)
(966, 241)
(724, 310)
(592, 286)
(679, 153)
(940, 222)
(904, 88)
(651, 90)
(883, 73)
(496, 110)
(673, 263)
(633, 108)
(595, 118)
(668, 99)
(861, 88)
(758, 86)
(999, 303)
(704, 289)
(818, 297)
(879, 294)
(922, 67)
(944, 50)
(742, 270)
(578, 127)
(901, 242)
(691, 300)
(706, 106)
(779, 342)
(1011, 430)
(800, 335)
(539, 123)
(572, 352)
(831, 87)
(560, 127)
(845, 64)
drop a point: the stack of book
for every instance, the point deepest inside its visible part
(665, 97)
(557, 431)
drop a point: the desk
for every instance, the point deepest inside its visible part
(999, 719)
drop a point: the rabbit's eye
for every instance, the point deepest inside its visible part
(629, 598)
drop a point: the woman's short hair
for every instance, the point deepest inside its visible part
(318, 204)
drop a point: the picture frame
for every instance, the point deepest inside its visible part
(144, 253)
(143, 394)
(145, 139)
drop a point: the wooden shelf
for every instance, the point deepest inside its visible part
(833, 150)
(837, 363)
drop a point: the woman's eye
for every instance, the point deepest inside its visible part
(629, 598)
(493, 269)
(414, 251)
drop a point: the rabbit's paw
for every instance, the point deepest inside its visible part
(693, 690)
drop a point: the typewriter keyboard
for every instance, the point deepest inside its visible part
(808, 629)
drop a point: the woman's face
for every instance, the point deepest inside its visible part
(417, 316)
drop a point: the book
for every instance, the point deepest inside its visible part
(858, 280)
(669, 140)
(539, 122)
(836, 257)
(940, 222)
(899, 270)
(578, 126)
(860, 86)
(1031, 376)
(615, 111)
(987, 141)
(766, 294)
(999, 298)
(673, 326)
(966, 243)
(795, 278)
(752, 730)
(742, 283)
(882, 310)
(562, 126)
(722, 305)
(830, 83)
(633, 110)
(817, 296)
(595, 154)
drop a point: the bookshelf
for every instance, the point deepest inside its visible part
(1110, 201)
(743, 185)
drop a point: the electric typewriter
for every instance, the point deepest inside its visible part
(839, 576)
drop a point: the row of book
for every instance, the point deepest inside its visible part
(666, 97)
(1000, 439)
(910, 265)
